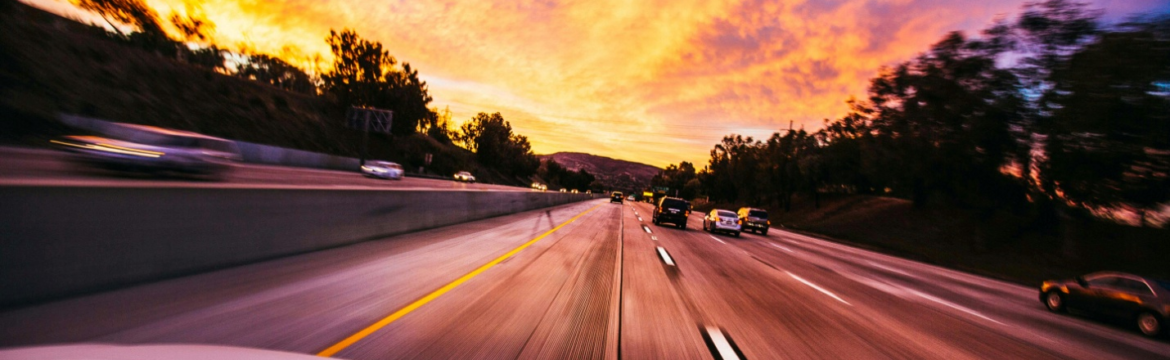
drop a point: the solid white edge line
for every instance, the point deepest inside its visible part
(665, 257)
(721, 343)
(717, 239)
(782, 247)
(818, 288)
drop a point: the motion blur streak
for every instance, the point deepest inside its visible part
(437, 293)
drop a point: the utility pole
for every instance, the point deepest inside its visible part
(365, 138)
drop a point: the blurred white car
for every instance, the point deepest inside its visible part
(152, 149)
(719, 220)
(383, 169)
(464, 176)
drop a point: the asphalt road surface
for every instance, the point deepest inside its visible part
(587, 280)
(24, 166)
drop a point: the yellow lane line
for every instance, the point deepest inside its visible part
(437, 293)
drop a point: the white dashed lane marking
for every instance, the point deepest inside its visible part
(818, 288)
(665, 257)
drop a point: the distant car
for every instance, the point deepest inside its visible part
(588, 192)
(150, 149)
(564, 190)
(616, 197)
(672, 210)
(722, 221)
(383, 169)
(464, 177)
(754, 220)
(574, 191)
(1143, 300)
(631, 198)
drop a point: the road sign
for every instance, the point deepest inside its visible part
(366, 120)
(369, 119)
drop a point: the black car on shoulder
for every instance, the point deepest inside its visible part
(1142, 300)
(616, 197)
(672, 210)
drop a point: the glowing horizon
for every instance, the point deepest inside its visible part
(656, 81)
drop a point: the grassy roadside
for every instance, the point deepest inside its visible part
(999, 247)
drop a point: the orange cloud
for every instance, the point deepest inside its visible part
(654, 81)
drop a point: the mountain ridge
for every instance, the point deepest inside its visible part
(611, 173)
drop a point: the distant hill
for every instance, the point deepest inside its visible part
(613, 173)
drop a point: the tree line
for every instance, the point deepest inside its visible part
(1049, 114)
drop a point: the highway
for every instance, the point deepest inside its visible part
(32, 166)
(586, 280)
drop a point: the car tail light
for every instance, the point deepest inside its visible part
(769, 222)
(739, 222)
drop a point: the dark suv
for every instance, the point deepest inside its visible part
(672, 210)
(754, 220)
(616, 197)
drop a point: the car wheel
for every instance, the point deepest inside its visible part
(682, 226)
(1054, 300)
(1149, 324)
(736, 234)
(764, 232)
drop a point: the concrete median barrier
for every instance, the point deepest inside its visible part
(62, 241)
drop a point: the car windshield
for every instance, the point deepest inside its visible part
(674, 204)
(725, 213)
(758, 214)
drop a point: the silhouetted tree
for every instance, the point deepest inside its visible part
(947, 116)
(360, 69)
(1108, 136)
(494, 144)
(676, 178)
(275, 72)
(193, 27)
(364, 74)
(130, 12)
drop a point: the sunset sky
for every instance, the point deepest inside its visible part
(650, 81)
